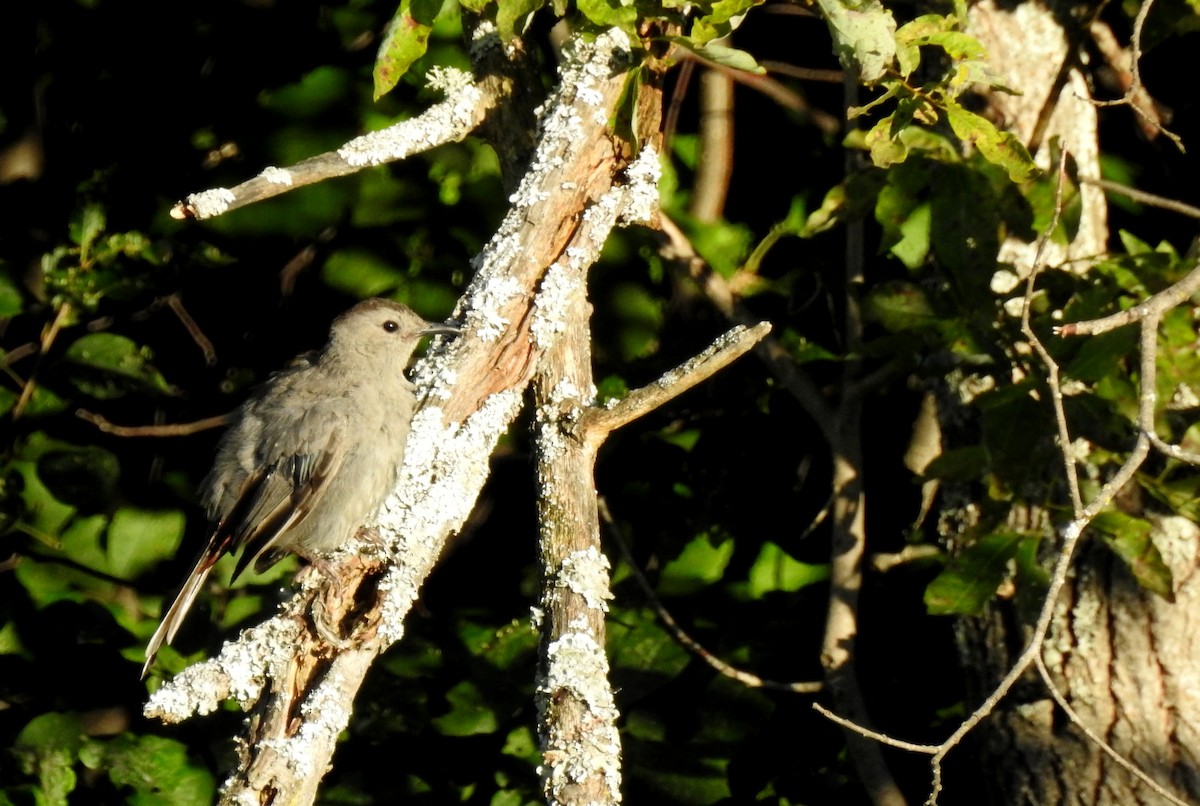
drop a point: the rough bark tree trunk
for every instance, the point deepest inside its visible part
(1121, 657)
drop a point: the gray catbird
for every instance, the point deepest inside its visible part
(313, 452)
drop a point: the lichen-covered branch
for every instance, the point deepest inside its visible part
(304, 677)
(466, 105)
(597, 423)
(577, 714)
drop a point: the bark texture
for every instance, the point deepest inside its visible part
(1124, 659)
(1121, 657)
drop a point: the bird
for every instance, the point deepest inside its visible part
(312, 452)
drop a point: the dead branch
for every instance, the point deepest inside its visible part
(173, 430)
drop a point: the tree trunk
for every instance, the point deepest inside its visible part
(1121, 657)
(1124, 660)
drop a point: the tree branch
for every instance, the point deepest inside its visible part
(471, 389)
(577, 714)
(597, 423)
(467, 104)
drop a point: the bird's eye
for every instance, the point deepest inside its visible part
(391, 326)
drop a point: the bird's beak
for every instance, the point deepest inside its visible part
(444, 328)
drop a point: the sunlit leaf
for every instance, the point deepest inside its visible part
(1129, 538)
(864, 36)
(141, 538)
(46, 748)
(115, 366)
(971, 578)
(721, 54)
(609, 13)
(156, 768)
(511, 12)
(776, 571)
(470, 713)
(701, 563)
(404, 41)
(1002, 148)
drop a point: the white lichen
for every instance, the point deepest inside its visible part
(441, 123)
(277, 176)
(553, 300)
(211, 202)
(585, 573)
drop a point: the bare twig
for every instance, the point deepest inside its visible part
(175, 303)
(1052, 380)
(49, 334)
(748, 679)
(1156, 305)
(1136, 89)
(714, 166)
(1152, 199)
(173, 430)
(597, 423)
(917, 552)
(803, 73)
(770, 351)
(1119, 59)
(779, 93)
(882, 738)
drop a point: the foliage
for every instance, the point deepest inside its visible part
(110, 307)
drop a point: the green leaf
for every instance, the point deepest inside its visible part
(10, 641)
(113, 365)
(1000, 148)
(1101, 356)
(701, 563)
(959, 464)
(958, 46)
(803, 351)
(911, 35)
(140, 538)
(917, 30)
(900, 305)
(1129, 538)
(404, 41)
(47, 748)
(972, 577)
(157, 769)
(720, 54)
(643, 650)
(886, 149)
(1182, 495)
(723, 17)
(845, 202)
(85, 477)
(86, 228)
(864, 36)
(469, 713)
(361, 273)
(11, 300)
(775, 570)
(609, 13)
(511, 12)
(913, 246)
(892, 88)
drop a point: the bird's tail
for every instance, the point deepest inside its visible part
(165, 633)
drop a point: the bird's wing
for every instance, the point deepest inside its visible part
(277, 498)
